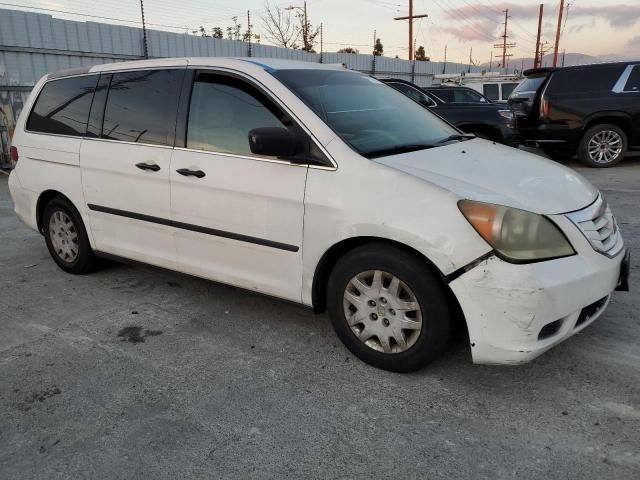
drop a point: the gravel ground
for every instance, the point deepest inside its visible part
(134, 372)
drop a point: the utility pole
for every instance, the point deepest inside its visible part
(491, 61)
(535, 59)
(504, 37)
(249, 32)
(373, 56)
(555, 47)
(411, 17)
(305, 25)
(321, 44)
(564, 51)
(444, 65)
(145, 50)
(504, 45)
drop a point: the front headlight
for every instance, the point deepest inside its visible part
(508, 114)
(516, 235)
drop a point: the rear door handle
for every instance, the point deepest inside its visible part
(191, 173)
(148, 166)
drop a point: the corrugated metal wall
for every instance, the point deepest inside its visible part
(33, 44)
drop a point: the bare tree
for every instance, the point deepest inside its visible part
(281, 27)
(308, 32)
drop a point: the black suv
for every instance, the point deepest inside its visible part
(590, 110)
(485, 120)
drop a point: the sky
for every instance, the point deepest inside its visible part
(593, 27)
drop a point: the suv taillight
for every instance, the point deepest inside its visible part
(13, 155)
(544, 109)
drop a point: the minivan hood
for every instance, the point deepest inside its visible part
(481, 170)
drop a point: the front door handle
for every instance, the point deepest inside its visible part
(148, 166)
(191, 173)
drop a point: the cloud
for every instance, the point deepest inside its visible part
(633, 45)
(475, 31)
(480, 22)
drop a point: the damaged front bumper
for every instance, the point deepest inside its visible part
(514, 313)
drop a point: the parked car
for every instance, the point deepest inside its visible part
(589, 110)
(484, 120)
(451, 94)
(321, 186)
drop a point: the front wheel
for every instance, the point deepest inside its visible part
(602, 146)
(388, 308)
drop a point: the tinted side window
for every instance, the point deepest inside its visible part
(410, 92)
(594, 79)
(466, 96)
(63, 106)
(224, 110)
(490, 91)
(141, 106)
(445, 95)
(633, 83)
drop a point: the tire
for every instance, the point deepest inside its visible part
(416, 284)
(613, 141)
(66, 237)
(482, 135)
(558, 154)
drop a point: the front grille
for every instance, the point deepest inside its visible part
(598, 225)
(590, 310)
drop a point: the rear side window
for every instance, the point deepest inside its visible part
(594, 79)
(142, 105)
(63, 105)
(633, 83)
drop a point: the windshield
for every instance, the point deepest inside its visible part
(529, 85)
(370, 116)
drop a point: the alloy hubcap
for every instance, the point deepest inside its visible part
(64, 236)
(605, 146)
(382, 311)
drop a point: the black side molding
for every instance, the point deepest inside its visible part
(194, 228)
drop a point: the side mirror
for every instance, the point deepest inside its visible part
(427, 102)
(272, 142)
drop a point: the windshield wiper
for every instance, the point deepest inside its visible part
(409, 147)
(460, 137)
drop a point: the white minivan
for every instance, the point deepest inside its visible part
(321, 186)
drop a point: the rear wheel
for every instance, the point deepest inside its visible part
(388, 308)
(602, 146)
(66, 237)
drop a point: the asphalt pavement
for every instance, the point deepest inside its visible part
(135, 372)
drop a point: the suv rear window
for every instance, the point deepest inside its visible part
(585, 80)
(529, 84)
(62, 107)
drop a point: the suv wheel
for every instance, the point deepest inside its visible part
(66, 237)
(602, 146)
(388, 308)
